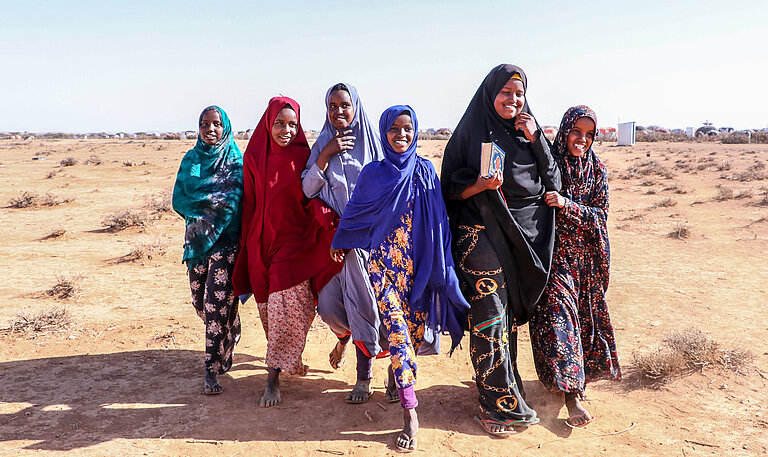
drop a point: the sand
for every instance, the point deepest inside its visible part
(125, 377)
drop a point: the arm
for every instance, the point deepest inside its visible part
(594, 217)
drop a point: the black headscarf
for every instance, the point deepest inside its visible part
(519, 223)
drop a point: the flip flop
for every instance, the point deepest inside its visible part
(568, 422)
(352, 401)
(486, 422)
(391, 395)
(211, 390)
(409, 443)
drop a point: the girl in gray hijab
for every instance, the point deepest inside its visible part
(347, 142)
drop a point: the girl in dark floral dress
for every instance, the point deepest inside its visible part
(571, 331)
(207, 194)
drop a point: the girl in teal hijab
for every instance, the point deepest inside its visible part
(207, 194)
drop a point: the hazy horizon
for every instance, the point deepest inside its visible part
(87, 67)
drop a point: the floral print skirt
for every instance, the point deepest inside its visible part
(286, 317)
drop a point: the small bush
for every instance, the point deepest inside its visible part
(724, 166)
(68, 162)
(146, 251)
(123, 219)
(67, 286)
(34, 200)
(647, 168)
(680, 232)
(56, 232)
(56, 318)
(665, 203)
(683, 352)
(723, 193)
(746, 193)
(93, 160)
(159, 203)
(53, 173)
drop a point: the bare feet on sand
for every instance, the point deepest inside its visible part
(339, 354)
(271, 395)
(578, 415)
(211, 385)
(360, 393)
(406, 440)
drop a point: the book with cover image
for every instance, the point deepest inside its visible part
(491, 159)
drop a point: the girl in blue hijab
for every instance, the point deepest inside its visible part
(207, 194)
(397, 213)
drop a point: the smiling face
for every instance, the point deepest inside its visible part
(400, 134)
(510, 99)
(581, 136)
(211, 128)
(285, 128)
(340, 109)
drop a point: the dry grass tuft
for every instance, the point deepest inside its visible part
(93, 160)
(746, 193)
(724, 166)
(680, 232)
(649, 168)
(755, 172)
(53, 173)
(665, 203)
(146, 251)
(56, 232)
(35, 200)
(68, 162)
(723, 193)
(159, 203)
(683, 352)
(52, 319)
(123, 219)
(67, 286)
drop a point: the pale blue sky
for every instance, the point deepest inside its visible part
(153, 65)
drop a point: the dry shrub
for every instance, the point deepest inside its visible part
(55, 318)
(131, 163)
(123, 219)
(724, 166)
(683, 352)
(146, 251)
(680, 232)
(746, 193)
(53, 173)
(56, 232)
(723, 193)
(67, 286)
(676, 189)
(159, 203)
(35, 200)
(665, 203)
(93, 160)
(68, 162)
(648, 168)
(754, 172)
(648, 183)
(650, 192)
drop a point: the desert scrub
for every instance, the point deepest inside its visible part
(123, 219)
(67, 286)
(683, 352)
(723, 193)
(51, 319)
(35, 200)
(648, 168)
(159, 203)
(665, 203)
(68, 162)
(56, 232)
(680, 232)
(147, 251)
(93, 160)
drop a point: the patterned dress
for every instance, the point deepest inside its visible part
(571, 331)
(286, 317)
(391, 272)
(215, 302)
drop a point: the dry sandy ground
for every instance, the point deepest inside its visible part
(126, 377)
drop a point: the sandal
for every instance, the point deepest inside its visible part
(391, 395)
(486, 423)
(405, 443)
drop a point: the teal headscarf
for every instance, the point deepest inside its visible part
(208, 190)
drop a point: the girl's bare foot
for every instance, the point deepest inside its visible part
(338, 355)
(406, 440)
(360, 393)
(271, 395)
(578, 415)
(211, 385)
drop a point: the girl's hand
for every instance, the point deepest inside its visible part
(342, 141)
(490, 183)
(527, 124)
(553, 198)
(337, 255)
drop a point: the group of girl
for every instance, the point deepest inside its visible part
(361, 230)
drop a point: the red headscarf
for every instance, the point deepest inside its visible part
(285, 238)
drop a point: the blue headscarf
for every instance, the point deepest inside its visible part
(381, 197)
(208, 190)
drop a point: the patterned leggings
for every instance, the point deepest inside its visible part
(214, 300)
